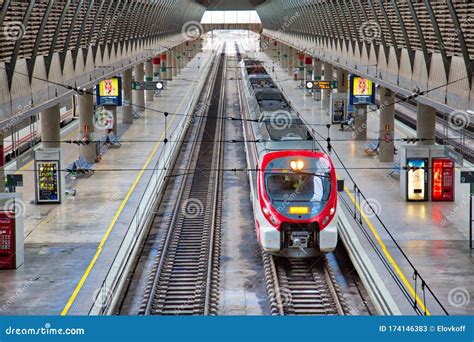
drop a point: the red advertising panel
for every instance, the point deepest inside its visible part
(301, 56)
(442, 187)
(308, 60)
(7, 240)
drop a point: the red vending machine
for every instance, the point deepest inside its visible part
(12, 248)
(7, 240)
(442, 180)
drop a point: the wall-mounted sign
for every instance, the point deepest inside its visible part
(109, 92)
(149, 85)
(362, 91)
(318, 85)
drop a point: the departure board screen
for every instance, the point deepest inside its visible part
(48, 181)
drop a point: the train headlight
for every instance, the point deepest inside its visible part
(332, 211)
(325, 221)
(269, 216)
(297, 165)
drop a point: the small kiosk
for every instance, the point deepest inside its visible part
(49, 178)
(426, 174)
(12, 248)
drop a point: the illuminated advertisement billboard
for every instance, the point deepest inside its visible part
(362, 91)
(417, 180)
(109, 92)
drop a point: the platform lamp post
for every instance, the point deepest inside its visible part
(467, 177)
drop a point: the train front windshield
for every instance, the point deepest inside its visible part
(298, 187)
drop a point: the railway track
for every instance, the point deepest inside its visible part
(185, 276)
(302, 287)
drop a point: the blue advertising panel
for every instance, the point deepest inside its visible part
(109, 92)
(362, 91)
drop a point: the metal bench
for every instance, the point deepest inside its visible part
(110, 140)
(371, 149)
(395, 173)
(80, 167)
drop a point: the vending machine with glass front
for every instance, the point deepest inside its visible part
(442, 180)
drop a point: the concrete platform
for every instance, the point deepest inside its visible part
(61, 241)
(433, 235)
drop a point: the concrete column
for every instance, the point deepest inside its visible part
(139, 95)
(156, 68)
(174, 63)
(360, 122)
(300, 66)
(317, 71)
(163, 72)
(179, 57)
(86, 126)
(296, 62)
(291, 52)
(169, 65)
(309, 72)
(342, 81)
(127, 115)
(328, 76)
(150, 94)
(387, 125)
(426, 121)
(50, 127)
(113, 110)
(284, 57)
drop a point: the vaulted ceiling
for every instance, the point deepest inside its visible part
(231, 5)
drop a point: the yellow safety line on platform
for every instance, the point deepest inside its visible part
(387, 254)
(117, 214)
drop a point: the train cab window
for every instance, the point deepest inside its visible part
(291, 132)
(298, 187)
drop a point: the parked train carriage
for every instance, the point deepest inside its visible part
(22, 136)
(293, 183)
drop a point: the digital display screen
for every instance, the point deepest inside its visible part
(109, 92)
(362, 91)
(48, 182)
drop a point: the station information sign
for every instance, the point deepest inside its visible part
(109, 92)
(48, 182)
(149, 85)
(318, 85)
(362, 91)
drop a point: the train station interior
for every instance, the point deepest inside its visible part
(236, 158)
